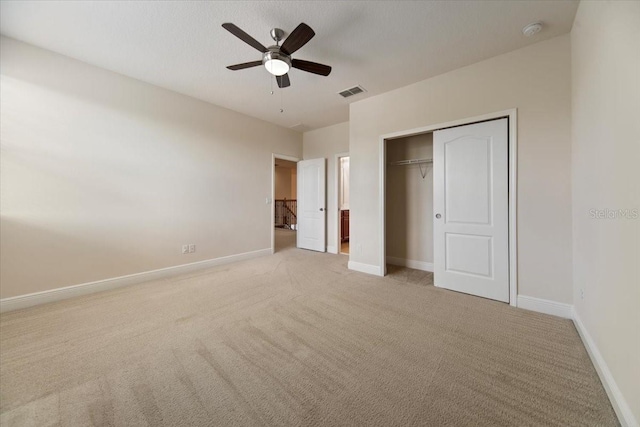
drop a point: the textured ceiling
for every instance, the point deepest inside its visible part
(381, 45)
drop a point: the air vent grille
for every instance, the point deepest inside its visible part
(351, 91)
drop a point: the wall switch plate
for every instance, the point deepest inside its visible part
(185, 249)
(192, 248)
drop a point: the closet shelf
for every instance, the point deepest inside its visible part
(411, 162)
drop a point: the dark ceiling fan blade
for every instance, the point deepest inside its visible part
(244, 65)
(311, 67)
(244, 36)
(298, 38)
(283, 81)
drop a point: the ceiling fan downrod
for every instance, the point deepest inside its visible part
(276, 34)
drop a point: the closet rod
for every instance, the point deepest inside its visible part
(411, 162)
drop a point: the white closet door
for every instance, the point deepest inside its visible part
(471, 224)
(312, 219)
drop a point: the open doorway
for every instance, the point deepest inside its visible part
(342, 166)
(284, 221)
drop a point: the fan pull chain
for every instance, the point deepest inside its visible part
(281, 109)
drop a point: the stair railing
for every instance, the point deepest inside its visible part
(286, 213)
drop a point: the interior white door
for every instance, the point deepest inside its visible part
(471, 224)
(312, 219)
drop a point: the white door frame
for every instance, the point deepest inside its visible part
(512, 114)
(272, 221)
(337, 158)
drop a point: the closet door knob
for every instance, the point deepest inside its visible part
(321, 209)
(438, 216)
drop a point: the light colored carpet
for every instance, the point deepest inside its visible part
(293, 339)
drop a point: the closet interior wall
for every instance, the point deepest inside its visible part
(409, 203)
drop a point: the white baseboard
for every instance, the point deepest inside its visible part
(30, 300)
(620, 405)
(365, 268)
(332, 249)
(410, 263)
(545, 306)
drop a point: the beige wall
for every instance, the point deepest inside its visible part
(409, 204)
(536, 81)
(326, 143)
(284, 179)
(606, 175)
(104, 176)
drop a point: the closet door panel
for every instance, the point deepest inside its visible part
(471, 226)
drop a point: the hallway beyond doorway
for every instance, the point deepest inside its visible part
(284, 239)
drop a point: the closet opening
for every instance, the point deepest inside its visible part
(448, 197)
(409, 206)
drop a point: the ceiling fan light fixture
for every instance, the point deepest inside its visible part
(276, 67)
(276, 63)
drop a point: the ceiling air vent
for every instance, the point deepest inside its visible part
(351, 91)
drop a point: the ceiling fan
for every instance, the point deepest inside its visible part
(277, 59)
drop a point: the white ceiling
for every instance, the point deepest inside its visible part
(381, 45)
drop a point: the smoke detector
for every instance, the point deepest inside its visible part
(532, 29)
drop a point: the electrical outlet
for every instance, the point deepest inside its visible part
(185, 249)
(192, 248)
